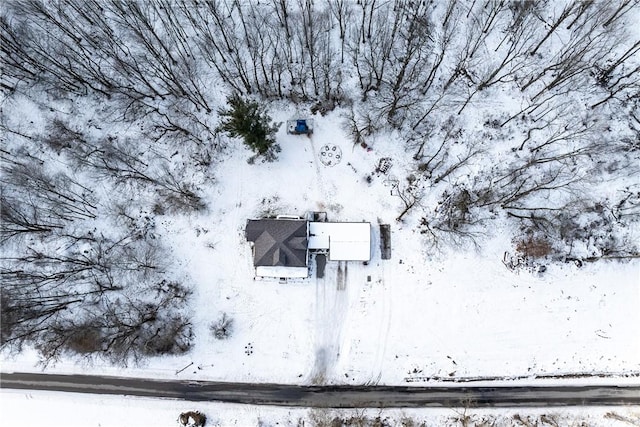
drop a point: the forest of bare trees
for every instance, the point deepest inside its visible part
(82, 272)
(552, 87)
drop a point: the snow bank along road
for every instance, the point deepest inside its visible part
(329, 396)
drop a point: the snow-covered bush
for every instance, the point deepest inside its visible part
(223, 327)
(192, 419)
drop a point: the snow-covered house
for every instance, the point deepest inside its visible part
(281, 246)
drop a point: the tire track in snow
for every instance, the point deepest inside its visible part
(331, 296)
(330, 313)
(383, 328)
(318, 371)
(324, 195)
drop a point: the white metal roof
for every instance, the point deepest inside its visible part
(345, 241)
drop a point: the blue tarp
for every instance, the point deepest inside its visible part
(301, 126)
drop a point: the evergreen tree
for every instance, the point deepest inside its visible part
(250, 121)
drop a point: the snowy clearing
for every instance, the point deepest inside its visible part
(417, 316)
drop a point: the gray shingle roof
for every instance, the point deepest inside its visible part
(278, 242)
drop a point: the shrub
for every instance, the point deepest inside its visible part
(85, 339)
(222, 328)
(533, 247)
(192, 419)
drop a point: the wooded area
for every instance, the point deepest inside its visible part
(556, 85)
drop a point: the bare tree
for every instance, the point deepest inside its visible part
(342, 12)
(371, 43)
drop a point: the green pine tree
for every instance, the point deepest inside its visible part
(250, 121)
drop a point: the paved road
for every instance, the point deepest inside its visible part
(328, 396)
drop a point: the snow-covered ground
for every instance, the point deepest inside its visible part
(426, 316)
(455, 313)
(50, 409)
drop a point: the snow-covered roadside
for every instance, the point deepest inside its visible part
(51, 409)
